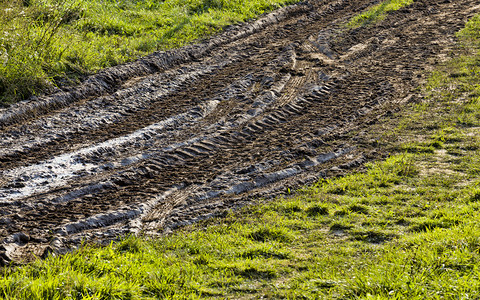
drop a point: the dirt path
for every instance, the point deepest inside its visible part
(184, 135)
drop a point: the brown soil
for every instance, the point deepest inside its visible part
(184, 135)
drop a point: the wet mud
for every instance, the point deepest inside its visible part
(185, 135)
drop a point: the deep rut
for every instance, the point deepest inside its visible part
(184, 135)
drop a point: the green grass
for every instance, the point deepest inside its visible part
(377, 12)
(388, 232)
(405, 228)
(44, 43)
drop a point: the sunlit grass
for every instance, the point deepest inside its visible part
(377, 12)
(404, 228)
(388, 232)
(48, 42)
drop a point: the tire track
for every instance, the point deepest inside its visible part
(184, 135)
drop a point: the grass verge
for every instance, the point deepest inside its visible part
(377, 12)
(406, 228)
(44, 43)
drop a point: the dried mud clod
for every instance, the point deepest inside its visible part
(185, 135)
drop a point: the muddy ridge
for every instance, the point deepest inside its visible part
(184, 135)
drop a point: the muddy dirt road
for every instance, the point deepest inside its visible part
(184, 135)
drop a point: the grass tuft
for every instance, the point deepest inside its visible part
(377, 12)
(317, 210)
(265, 234)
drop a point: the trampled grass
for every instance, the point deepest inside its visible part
(44, 43)
(405, 228)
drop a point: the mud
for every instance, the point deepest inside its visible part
(185, 135)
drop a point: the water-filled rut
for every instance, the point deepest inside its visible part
(187, 134)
